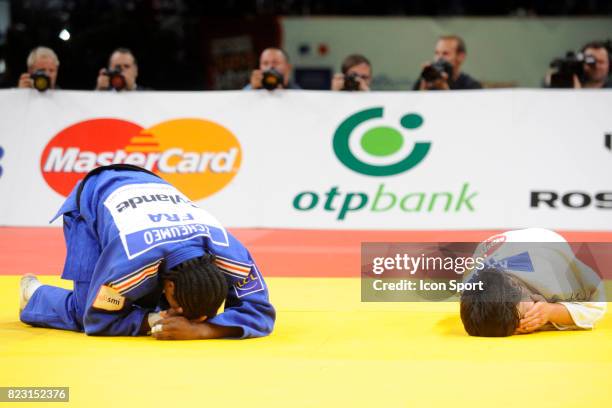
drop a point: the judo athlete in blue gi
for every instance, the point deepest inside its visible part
(144, 258)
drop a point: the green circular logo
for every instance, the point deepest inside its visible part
(382, 141)
(379, 142)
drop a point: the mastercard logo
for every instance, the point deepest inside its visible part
(197, 156)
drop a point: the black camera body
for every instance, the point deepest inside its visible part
(116, 79)
(351, 83)
(434, 71)
(566, 67)
(40, 80)
(272, 79)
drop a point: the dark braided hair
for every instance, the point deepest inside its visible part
(199, 286)
(491, 312)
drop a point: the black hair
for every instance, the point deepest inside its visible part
(492, 311)
(352, 60)
(595, 45)
(199, 286)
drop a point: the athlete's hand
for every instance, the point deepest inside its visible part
(534, 318)
(179, 328)
(172, 312)
(176, 328)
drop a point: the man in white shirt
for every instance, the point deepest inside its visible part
(532, 281)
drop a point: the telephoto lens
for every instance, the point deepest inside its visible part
(565, 68)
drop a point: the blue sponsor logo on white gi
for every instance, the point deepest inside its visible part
(251, 284)
(143, 240)
(520, 262)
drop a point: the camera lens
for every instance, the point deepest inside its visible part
(351, 83)
(272, 79)
(116, 79)
(41, 81)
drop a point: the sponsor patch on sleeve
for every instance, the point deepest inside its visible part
(108, 299)
(251, 284)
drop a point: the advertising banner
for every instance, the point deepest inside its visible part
(498, 159)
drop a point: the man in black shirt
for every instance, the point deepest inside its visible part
(273, 61)
(449, 48)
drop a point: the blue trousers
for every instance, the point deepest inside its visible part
(57, 308)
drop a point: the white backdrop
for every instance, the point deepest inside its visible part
(498, 146)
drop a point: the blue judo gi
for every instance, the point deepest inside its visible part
(123, 225)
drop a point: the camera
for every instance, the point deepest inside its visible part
(116, 79)
(566, 67)
(351, 83)
(272, 79)
(41, 80)
(434, 71)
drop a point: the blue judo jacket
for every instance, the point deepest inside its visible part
(121, 225)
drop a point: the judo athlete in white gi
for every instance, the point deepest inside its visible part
(531, 281)
(143, 257)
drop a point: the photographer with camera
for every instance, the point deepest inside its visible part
(274, 71)
(121, 73)
(356, 74)
(589, 68)
(444, 72)
(42, 70)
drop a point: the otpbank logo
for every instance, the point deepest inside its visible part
(199, 157)
(380, 150)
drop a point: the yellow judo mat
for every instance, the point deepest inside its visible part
(328, 350)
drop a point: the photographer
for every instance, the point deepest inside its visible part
(356, 74)
(42, 70)
(274, 71)
(444, 72)
(121, 73)
(590, 68)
